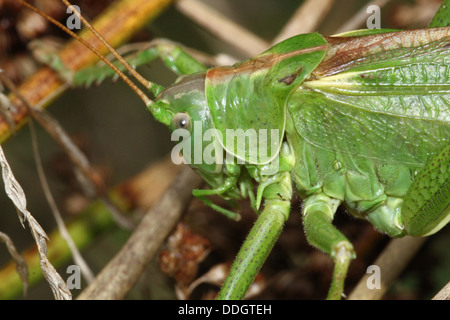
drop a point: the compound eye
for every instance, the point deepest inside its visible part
(181, 121)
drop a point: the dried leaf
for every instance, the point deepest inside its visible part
(186, 250)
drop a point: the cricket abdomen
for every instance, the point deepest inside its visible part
(370, 189)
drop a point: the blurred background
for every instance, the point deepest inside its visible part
(120, 138)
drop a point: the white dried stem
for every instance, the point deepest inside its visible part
(21, 264)
(17, 196)
(444, 293)
(40, 115)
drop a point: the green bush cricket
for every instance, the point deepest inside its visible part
(362, 120)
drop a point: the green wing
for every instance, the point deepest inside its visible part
(385, 96)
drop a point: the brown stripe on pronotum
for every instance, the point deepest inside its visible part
(264, 61)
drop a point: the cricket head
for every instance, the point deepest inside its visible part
(181, 104)
(183, 108)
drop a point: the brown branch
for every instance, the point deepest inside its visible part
(118, 277)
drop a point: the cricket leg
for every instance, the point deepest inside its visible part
(318, 213)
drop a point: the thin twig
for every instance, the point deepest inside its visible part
(21, 264)
(118, 277)
(306, 19)
(91, 181)
(78, 258)
(394, 258)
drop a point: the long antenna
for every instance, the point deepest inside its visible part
(127, 80)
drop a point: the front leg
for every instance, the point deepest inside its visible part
(263, 235)
(318, 213)
(259, 242)
(230, 183)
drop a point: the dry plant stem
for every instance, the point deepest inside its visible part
(359, 19)
(86, 271)
(306, 19)
(444, 294)
(117, 24)
(222, 27)
(118, 277)
(15, 192)
(78, 258)
(394, 258)
(88, 224)
(21, 264)
(91, 179)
